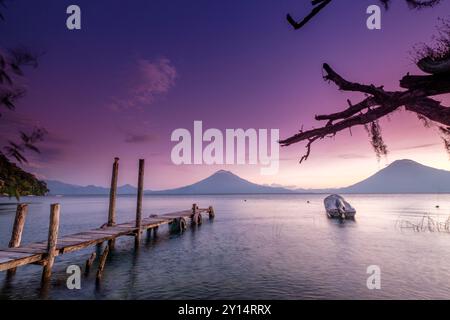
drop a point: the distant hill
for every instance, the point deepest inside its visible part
(61, 188)
(224, 182)
(404, 176)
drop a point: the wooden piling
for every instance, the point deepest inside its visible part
(140, 193)
(102, 262)
(211, 212)
(89, 263)
(112, 198)
(113, 194)
(52, 240)
(155, 231)
(196, 215)
(16, 236)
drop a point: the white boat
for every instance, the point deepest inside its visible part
(337, 207)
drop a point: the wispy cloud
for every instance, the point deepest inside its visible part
(418, 146)
(139, 138)
(52, 148)
(154, 78)
(277, 185)
(348, 156)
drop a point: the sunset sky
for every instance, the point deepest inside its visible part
(140, 69)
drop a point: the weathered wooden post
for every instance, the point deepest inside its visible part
(196, 215)
(113, 194)
(211, 213)
(89, 263)
(178, 225)
(52, 240)
(140, 193)
(194, 212)
(112, 198)
(16, 236)
(101, 264)
(155, 232)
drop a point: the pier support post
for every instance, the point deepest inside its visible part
(196, 216)
(101, 264)
(211, 213)
(178, 225)
(52, 240)
(155, 232)
(112, 198)
(16, 236)
(140, 193)
(89, 263)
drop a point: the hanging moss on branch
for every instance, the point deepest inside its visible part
(418, 95)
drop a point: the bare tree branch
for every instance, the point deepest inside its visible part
(345, 85)
(321, 4)
(377, 105)
(431, 109)
(352, 110)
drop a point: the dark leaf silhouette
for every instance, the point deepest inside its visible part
(319, 5)
(13, 180)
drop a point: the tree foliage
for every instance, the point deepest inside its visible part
(16, 182)
(13, 180)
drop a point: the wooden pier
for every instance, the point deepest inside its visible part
(44, 253)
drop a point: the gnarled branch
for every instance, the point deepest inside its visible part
(319, 5)
(377, 105)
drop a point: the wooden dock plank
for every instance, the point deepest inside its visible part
(13, 255)
(112, 233)
(27, 250)
(178, 214)
(88, 236)
(75, 246)
(152, 222)
(10, 262)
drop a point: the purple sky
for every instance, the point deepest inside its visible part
(140, 69)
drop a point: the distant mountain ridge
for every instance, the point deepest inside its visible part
(401, 176)
(404, 176)
(224, 182)
(61, 188)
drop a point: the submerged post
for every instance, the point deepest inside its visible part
(52, 240)
(196, 215)
(16, 236)
(211, 213)
(140, 193)
(101, 264)
(89, 263)
(155, 232)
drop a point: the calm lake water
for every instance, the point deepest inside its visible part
(258, 247)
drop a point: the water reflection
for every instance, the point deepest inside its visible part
(267, 247)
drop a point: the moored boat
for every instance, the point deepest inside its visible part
(337, 207)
